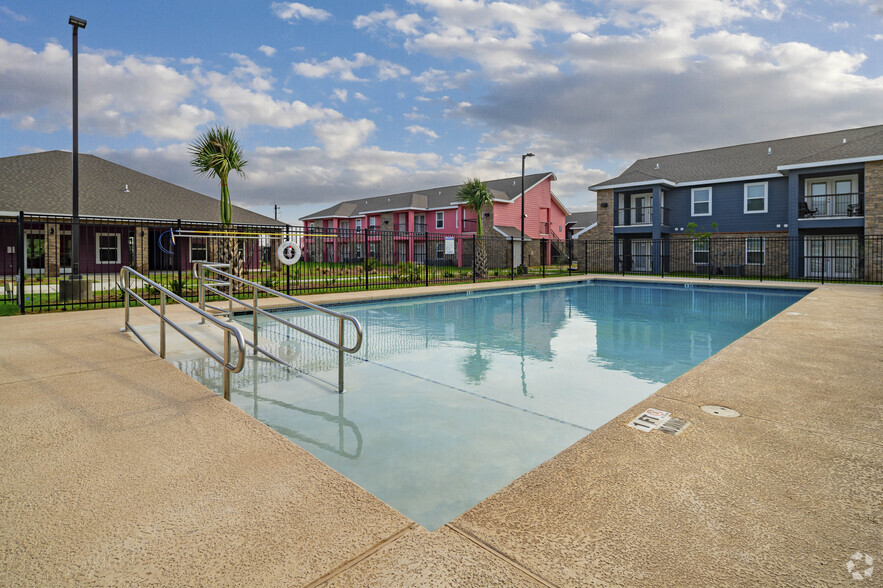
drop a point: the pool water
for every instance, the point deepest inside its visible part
(452, 397)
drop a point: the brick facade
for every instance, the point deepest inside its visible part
(729, 256)
(874, 198)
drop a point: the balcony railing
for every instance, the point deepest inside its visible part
(639, 216)
(832, 205)
(469, 225)
(420, 228)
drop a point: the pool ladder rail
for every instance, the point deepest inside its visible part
(211, 278)
(212, 284)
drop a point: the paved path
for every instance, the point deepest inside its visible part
(115, 468)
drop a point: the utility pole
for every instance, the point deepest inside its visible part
(276, 211)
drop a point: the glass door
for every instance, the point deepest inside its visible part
(35, 252)
(641, 252)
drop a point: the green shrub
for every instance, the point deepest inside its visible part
(407, 272)
(373, 263)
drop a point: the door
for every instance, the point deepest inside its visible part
(641, 209)
(35, 252)
(641, 254)
(831, 256)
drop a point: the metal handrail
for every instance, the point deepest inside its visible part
(126, 274)
(206, 284)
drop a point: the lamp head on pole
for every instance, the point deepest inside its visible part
(525, 156)
(77, 22)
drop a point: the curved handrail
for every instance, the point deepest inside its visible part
(205, 286)
(230, 330)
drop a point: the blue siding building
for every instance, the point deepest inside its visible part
(799, 207)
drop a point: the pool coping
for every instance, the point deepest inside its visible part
(560, 524)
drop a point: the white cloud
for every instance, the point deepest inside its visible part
(407, 24)
(414, 115)
(339, 94)
(435, 80)
(417, 129)
(840, 26)
(13, 15)
(877, 37)
(292, 11)
(344, 69)
(342, 136)
(118, 96)
(267, 50)
(360, 96)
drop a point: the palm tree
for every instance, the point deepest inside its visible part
(476, 196)
(215, 154)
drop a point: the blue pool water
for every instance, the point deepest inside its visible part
(453, 397)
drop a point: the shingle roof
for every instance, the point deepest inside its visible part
(431, 198)
(582, 220)
(753, 159)
(40, 183)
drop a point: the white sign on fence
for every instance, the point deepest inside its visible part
(449, 245)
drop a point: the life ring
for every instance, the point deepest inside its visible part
(288, 252)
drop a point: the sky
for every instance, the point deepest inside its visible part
(337, 100)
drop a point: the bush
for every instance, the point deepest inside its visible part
(407, 272)
(373, 263)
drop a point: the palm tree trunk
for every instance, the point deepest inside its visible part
(480, 259)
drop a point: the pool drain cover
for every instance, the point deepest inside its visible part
(722, 411)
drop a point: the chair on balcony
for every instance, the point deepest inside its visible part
(854, 210)
(804, 211)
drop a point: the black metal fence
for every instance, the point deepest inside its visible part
(35, 252)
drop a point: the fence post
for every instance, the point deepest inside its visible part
(474, 255)
(661, 257)
(365, 253)
(586, 256)
(426, 255)
(287, 267)
(178, 252)
(512, 258)
(543, 259)
(20, 260)
(570, 257)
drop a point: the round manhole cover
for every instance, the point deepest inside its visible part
(722, 411)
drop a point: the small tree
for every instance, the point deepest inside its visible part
(476, 196)
(215, 154)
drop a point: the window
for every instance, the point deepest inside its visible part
(345, 225)
(419, 223)
(439, 250)
(700, 251)
(107, 248)
(198, 250)
(372, 221)
(755, 197)
(372, 250)
(358, 224)
(358, 250)
(754, 251)
(440, 219)
(701, 202)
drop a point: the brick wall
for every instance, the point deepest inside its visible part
(729, 256)
(874, 198)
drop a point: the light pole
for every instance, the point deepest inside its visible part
(521, 268)
(77, 23)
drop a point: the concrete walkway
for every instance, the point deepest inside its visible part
(115, 468)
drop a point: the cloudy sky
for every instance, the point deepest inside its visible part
(334, 100)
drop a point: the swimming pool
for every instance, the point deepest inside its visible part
(452, 397)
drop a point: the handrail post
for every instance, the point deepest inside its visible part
(200, 281)
(127, 282)
(226, 363)
(340, 355)
(231, 290)
(254, 319)
(162, 324)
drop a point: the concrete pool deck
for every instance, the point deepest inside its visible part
(118, 469)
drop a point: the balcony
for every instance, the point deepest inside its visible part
(832, 206)
(420, 227)
(638, 216)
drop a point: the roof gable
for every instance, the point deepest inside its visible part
(40, 183)
(752, 159)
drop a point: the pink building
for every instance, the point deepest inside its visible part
(352, 229)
